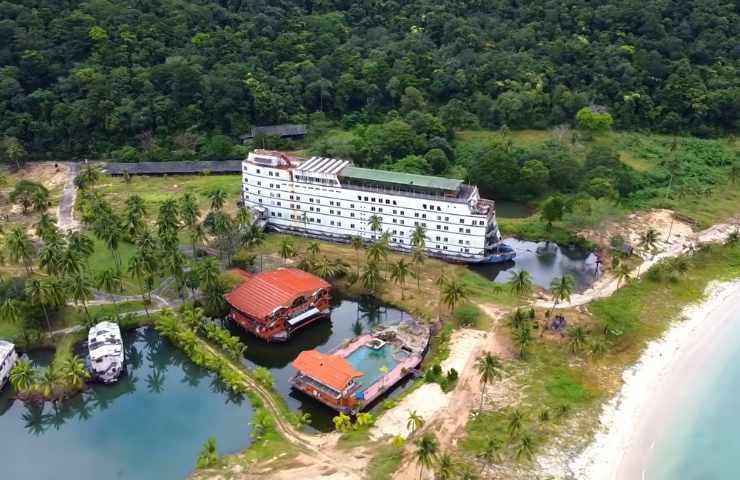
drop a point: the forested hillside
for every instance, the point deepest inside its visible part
(161, 79)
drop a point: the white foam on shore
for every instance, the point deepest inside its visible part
(602, 458)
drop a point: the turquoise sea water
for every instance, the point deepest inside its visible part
(699, 437)
(149, 425)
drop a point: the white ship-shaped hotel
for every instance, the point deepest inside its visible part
(332, 199)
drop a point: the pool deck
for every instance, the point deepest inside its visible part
(387, 381)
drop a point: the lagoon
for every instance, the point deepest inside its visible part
(150, 425)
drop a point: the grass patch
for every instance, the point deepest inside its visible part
(384, 463)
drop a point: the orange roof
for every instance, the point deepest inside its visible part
(331, 370)
(260, 294)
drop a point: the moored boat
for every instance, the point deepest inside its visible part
(106, 358)
(8, 357)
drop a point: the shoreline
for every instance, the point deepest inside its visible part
(619, 448)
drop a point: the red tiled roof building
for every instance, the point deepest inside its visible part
(328, 378)
(273, 305)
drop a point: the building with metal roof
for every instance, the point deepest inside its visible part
(222, 167)
(273, 305)
(286, 130)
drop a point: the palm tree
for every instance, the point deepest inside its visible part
(313, 249)
(418, 237)
(80, 243)
(327, 269)
(516, 421)
(22, 376)
(357, 244)
(525, 448)
(399, 272)
(622, 273)
(489, 368)
(447, 467)
(109, 280)
(38, 295)
(90, 175)
(217, 197)
(522, 339)
(577, 336)
(371, 277)
(287, 250)
(414, 422)
(426, 453)
(50, 258)
(134, 214)
(139, 268)
(244, 217)
(562, 288)
(80, 289)
(46, 226)
(208, 272)
(418, 257)
(491, 451)
(375, 223)
(521, 283)
(71, 262)
(10, 311)
(20, 248)
(48, 381)
(454, 291)
(648, 240)
(73, 369)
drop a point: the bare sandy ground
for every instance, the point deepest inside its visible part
(681, 240)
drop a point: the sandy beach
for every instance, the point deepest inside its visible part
(655, 388)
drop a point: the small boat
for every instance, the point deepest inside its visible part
(106, 360)
(500, 253)
(8, 357)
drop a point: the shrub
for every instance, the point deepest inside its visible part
(467, 314)
(263, 377)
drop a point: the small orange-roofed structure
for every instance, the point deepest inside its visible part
(328, 378)
(273, 305)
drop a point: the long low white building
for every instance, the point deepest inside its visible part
(332, 199)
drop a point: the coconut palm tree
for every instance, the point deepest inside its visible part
(446, 469)
(313, 249)
(46, 226)
(326, 268)
(414, 422)
(622, 273)
(10, 311)
(577, 338)
(399, 272)
(48, 381)
(23, 376)
(562, 288)
(244, 218)
(522, 339)
(112, 235)
(73, 369)
(521, 283)
(217, 198)
(357, 244)
(454, 291)
(489, 368)
(648, 240)
(375, 223)
(515, 423)
(20, 248)
(90, 175)
(426, 453)
(208, 272)
(39, 296)
(134, 215)
(287, 249)
(71, 262)
(50, 257)
(139, 267)
(491, 452)
(525, 448)
(418, 237)
(418, 257)
(371, 276)
(80, 289)
(80, 243)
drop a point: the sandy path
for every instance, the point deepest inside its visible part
(681, 241)
(65, 211)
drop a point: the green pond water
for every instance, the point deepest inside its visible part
(349, 318)
(150, 425)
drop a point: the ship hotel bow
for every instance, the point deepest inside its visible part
(331, 199)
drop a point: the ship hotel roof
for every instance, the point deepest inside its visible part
(323, 165)
(260, 294)
(330, 370)
(5, 349)
(409, 179)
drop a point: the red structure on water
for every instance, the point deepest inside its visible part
(273, 305)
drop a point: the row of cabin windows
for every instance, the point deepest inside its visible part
(379, 209)
(444, 247)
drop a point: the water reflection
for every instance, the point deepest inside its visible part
(149, 425)
(545, 261)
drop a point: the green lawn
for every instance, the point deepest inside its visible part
(155, 190)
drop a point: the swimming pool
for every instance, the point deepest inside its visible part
(375, 363)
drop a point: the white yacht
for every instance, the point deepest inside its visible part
(106, 360)
(8, 357)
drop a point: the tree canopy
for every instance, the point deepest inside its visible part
(162, 80)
